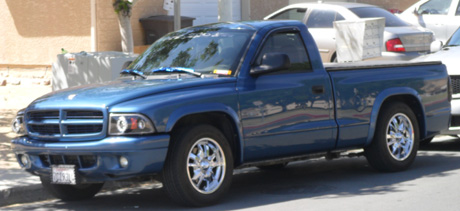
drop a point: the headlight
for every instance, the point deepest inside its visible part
(129, 124)
(18, 125)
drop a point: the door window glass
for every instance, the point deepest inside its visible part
(437, 7)
(292, 14)
(291, 44)
(457, 13)
(322, 18)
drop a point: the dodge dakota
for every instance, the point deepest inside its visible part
(205, 100)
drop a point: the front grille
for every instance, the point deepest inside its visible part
(455, 83)
(45, 129)
(65, 123)
(42, 115)
(81, 161)
(85, 115)
(78, 129)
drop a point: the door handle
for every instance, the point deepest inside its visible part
(319, 89)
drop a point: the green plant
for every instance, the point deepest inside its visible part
(122, 6)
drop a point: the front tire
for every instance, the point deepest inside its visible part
(71, 192)
(396, 139)
(199, 166)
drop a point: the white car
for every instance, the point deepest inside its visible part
(449, 55)
(440, 16)
(402, 41)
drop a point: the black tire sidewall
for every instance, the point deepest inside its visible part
(180, 149)
(378, 153)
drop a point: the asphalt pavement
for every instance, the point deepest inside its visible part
(436, 166)
(343, 184)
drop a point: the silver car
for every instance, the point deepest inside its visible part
(401, 40)
(440, 16)
(449, 55)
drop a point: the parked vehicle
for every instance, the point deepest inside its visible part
(449, 55)
(440, 16)
(205, 100)
(402, 41)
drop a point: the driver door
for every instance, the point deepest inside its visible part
(288, 112)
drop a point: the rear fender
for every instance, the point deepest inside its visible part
(382, 98)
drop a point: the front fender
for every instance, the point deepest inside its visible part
(184, 111)
(385, 95)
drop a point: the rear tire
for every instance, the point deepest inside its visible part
(396, 139)
(71, 192)
(199, 166)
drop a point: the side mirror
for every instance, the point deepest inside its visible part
(271, 62)
(436, 46)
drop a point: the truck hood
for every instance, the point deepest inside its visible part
(448, 55)
(111, 93)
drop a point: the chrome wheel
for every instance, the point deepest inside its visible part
(400, 136)
(206, 165)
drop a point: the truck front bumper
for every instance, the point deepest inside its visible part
(95, 161)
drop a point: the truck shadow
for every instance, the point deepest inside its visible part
(319, 179)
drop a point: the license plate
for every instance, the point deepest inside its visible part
(63, 174)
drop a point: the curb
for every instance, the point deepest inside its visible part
(23, 194)
(33, 193)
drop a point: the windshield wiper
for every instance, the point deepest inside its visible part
(177, 70)
(134, 73)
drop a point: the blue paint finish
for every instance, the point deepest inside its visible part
(276, 115)
(384, 95)
(359, 95)
(145, 154)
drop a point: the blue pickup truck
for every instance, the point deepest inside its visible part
(205, 100)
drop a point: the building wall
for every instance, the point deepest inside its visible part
(262, 8)
(390, 4)
(33, 32)
(108, 31)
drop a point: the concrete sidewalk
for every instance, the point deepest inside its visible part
(16, 185)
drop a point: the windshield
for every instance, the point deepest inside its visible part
(203, 49)
(376, 12)
(455, 39)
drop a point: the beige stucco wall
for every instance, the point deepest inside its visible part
(390, 4)
(33, 32)
(108, 31)
(262, 8)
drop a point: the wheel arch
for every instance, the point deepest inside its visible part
(220, 116)
(408, 96)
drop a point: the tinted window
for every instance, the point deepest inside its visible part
(203, 49)
(455, 39)
(435, 7)
(292, 14)
(290, 44)
(457, 13)
(322, 18)
(375, 12)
